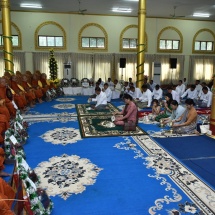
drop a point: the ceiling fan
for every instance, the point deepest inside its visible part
(79, 8)
(174, 15)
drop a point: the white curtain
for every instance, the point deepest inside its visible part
(169, 75)
(201, 68)
(18, 60)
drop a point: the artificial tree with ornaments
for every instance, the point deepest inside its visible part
(53, 66)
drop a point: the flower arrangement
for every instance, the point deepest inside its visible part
(53, 67)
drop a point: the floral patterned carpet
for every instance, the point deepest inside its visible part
(108, 175)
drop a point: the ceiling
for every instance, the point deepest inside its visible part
(155, 8)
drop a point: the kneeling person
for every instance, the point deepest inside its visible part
(101, 99)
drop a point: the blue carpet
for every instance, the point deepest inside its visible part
(195, 152)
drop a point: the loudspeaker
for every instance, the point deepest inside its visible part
(173, 63)
(122, 62)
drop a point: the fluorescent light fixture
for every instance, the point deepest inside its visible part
(201, 14)
(122, 10)
(31, 5)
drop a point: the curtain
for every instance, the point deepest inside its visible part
(18, 60)
(201, 68)
(169, 75)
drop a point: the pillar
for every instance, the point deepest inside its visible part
(141, 42)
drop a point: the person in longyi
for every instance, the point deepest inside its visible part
(7, 101)
(188, 119)
(128, 114)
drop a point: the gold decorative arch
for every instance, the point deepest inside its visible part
(194, 39)
(19, 47)
(170, 51)
(47, 48)
(121, 40)
(92, 49)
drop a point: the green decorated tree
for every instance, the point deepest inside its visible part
(52, 66)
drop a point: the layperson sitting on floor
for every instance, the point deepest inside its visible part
(134, 92)
(107, 91)
(116, 90)
(101, 83)
(177, 111)
(205, 98)
(130, 81)
(175, 95)
(110, 83)
(128, 114)
(157, 93)
(100, 99)
(198, 86)
(188, 119)
(167, 108)
(185, 83)
(156, 107)
(146, 99)
(190, 93)
(152, 85)
(181, 87)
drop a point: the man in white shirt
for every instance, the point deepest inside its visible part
(101, 83)
(108, 92)
(131, 81)
(175, 95)
(191, 93)
(117, 90)
(185, 83)
(203, 85)
(152, 85)
(206, 98)
(135, 93)
(157, 93)
(146, 99)
(180, 87)
(101, 100)
(110, 83)
(198, 86)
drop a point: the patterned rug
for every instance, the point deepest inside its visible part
(102, 126)
(84, 109)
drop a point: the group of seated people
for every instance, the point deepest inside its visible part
(178, 106)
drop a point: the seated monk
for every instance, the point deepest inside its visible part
(29, 93)
(129, 113)
(6, 192)
(4, 125)
(43, 79)
(4, 110)
(39, 89)
(7, 101)
(2, 158)
(19, 96)
(188, 119)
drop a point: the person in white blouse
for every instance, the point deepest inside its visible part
(206, 98)
(101, 100)
(191, 93)
(146, 99)
(180, 88)
(107, 91)
(175, 95)
(157, 93)
(135, 92)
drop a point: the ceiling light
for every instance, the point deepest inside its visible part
(122, 10)
(31, 5)
(201, 14)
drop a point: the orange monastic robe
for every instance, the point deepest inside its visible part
(8, 103)
(20, 100)
(29, 94)
(39, 91)
(6, 192)
(4, 125)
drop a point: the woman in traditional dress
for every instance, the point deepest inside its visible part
(156, 107)
(188, 118)
(128, 115)
(167, 108)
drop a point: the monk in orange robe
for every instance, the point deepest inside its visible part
(6, 192)
(29, 93)
(19, 97)
(4, 125)
(3, 95)
(39, 90)
(4, 110)
(43, 79)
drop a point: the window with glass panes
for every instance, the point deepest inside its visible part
(169, 44)
(204, 46)
(129, 43)
(50, 41)
(15, 40)
(93, 42)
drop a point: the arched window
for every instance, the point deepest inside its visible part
(203, 42)
(170, 40)
(129, 41)
(93, 36)
(16, 37)
(50, 35)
